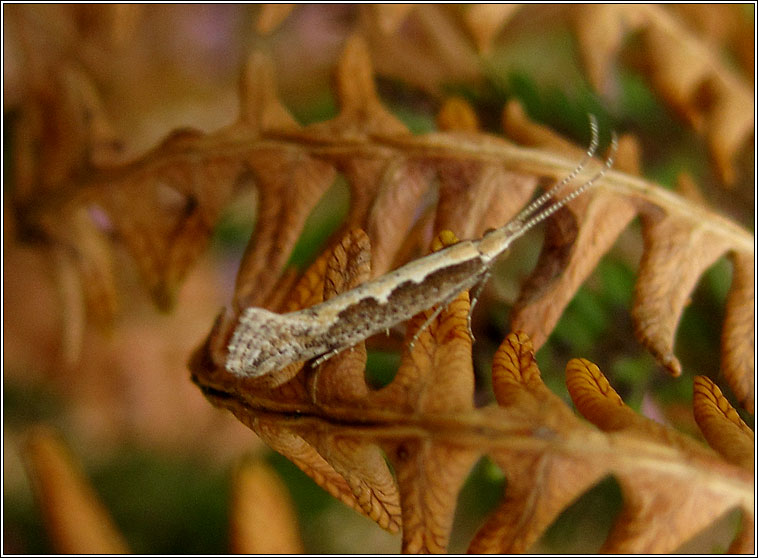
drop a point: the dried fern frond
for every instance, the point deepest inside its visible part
(682, 239)
(688, 72)
(164, 206)
(78, 199)
(329, 423)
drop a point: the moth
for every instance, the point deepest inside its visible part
(264, 341)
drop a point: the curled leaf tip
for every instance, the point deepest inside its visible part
(593, 395)
(262, 518)
(457, 115)
(271, 17)
(514, 367)
(584, 376)
(722, 427)
(76, 519)
(443, 240)
(673, 366)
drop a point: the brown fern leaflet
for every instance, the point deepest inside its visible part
(332, 425)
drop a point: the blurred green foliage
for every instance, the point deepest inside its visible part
(164, 504)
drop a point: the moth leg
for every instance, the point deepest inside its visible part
(474, 299)
(445, 303)
(425, 325)
(440, 307)
(323, 358)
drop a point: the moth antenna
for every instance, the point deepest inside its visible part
(540, 201)
(548, 211)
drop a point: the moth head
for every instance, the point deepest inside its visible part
(250, 346)
(265, 341)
